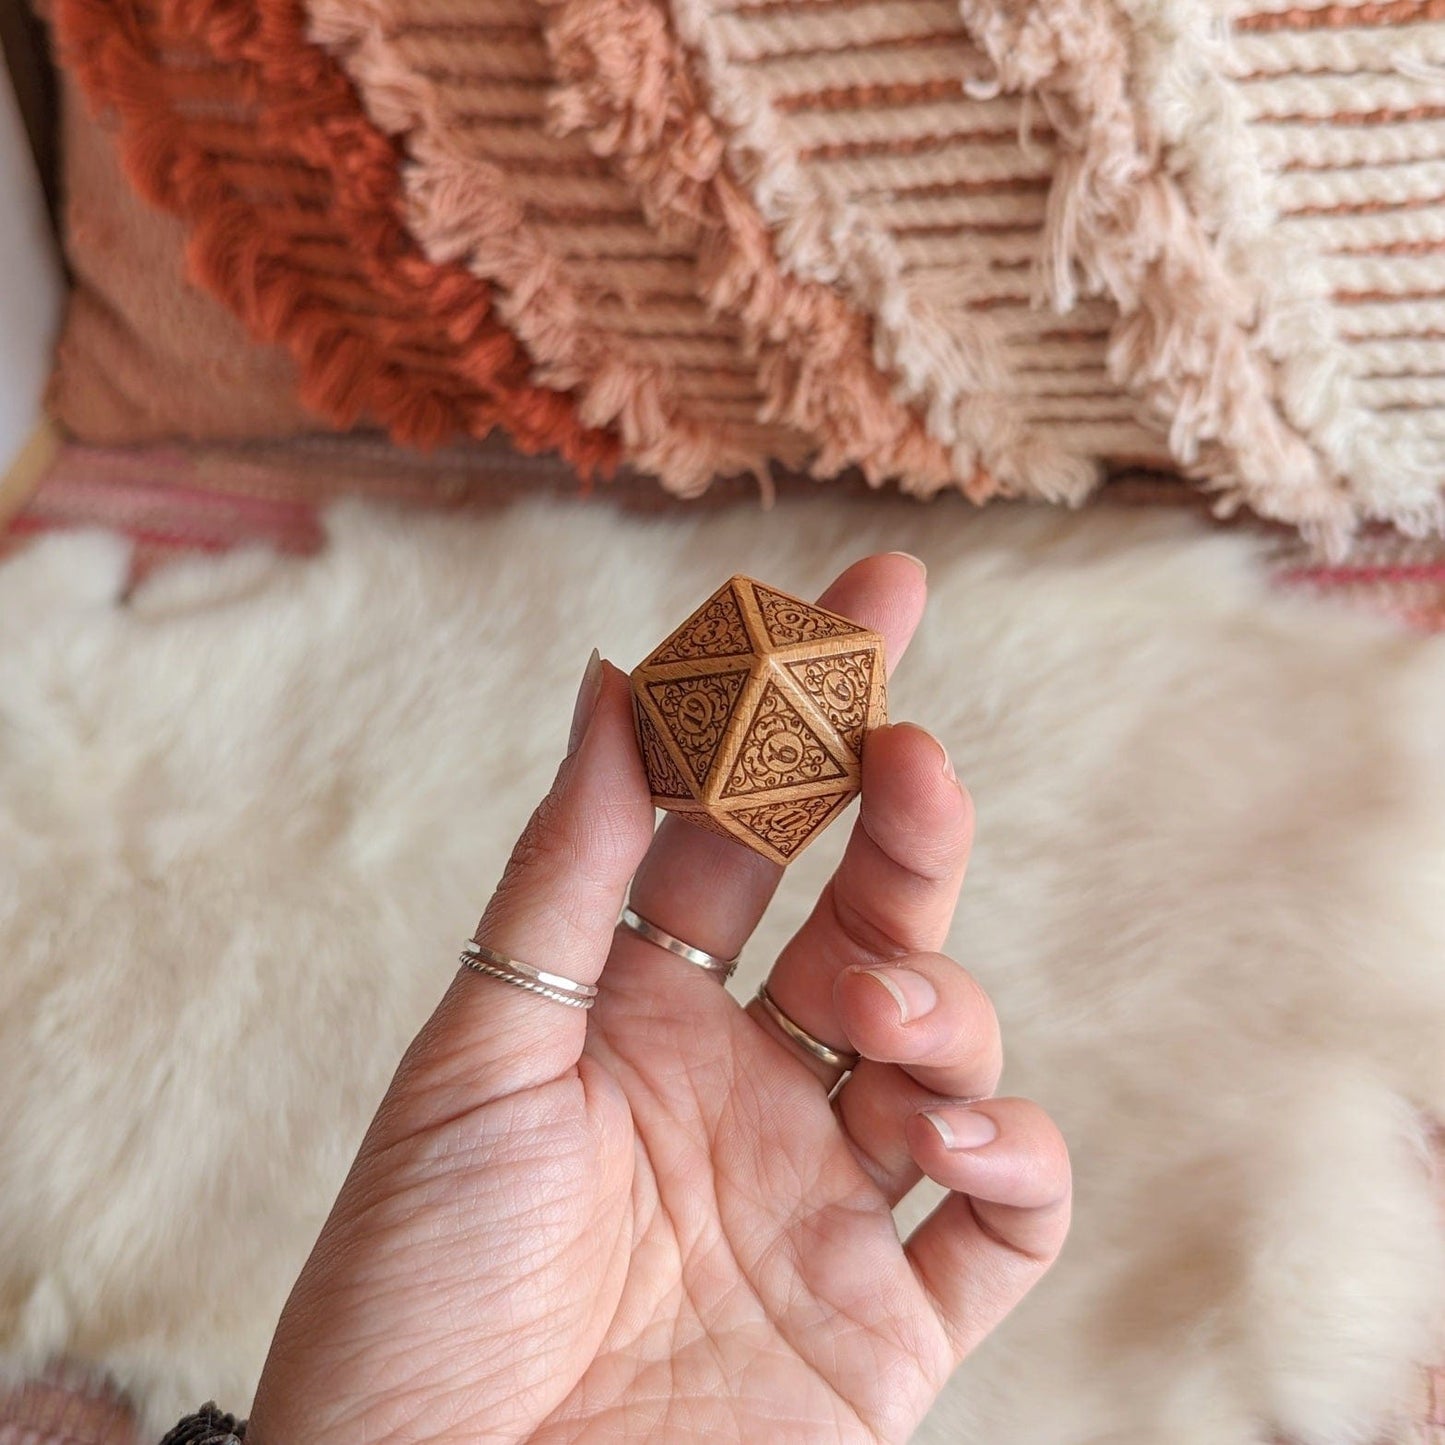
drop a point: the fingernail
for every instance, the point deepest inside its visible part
(942, 752)
(947, 762)
(586, 703)
(917, 561)
(913, 993)
(963, 1128)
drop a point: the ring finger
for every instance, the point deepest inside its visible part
(927, 1032)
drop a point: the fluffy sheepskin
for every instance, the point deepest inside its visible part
(246, 816)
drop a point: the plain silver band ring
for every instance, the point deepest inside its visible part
(844, 1059)
(555, 986)
(634, 922)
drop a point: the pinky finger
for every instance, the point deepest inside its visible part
(981, 1251)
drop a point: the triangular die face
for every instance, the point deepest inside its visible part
(787, 826)
(716, 629)
(789, 620)
(840, 685)
(663, 774)
(780, 750)
(695, 711)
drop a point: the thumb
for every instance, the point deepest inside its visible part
(555, 908)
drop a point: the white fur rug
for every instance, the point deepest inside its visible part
(246, 818)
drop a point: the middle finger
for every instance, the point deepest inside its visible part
(894, 891)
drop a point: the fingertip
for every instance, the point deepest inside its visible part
(593, 827)
(886, 592)
(609, 738)
(916, 561)
(913, 805)
(1006, 1152)
(877, 1004)
(908, 577)
(616, 684)
(910, 747)
(1005, 1219)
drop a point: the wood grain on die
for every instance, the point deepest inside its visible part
(751, 716)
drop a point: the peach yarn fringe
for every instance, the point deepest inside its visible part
(945, 359)
(623, 83)
(1119, 225)
(462, 207)
(415, 347)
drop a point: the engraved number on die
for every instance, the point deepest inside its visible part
(783, 752)
(712, 632)
(695, 712)
(792, 820)
(839, 690)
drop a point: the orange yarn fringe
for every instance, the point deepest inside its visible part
(380, 333)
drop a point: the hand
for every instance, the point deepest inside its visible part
(650, 1222)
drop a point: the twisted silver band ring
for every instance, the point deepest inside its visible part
(491, 964)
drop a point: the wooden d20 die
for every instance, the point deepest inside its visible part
(751, 716)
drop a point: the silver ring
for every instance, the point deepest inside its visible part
(555, 986)
(844, 1059)
(634, 922)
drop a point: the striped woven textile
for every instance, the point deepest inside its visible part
(605, 303)
(230, 119)
(950, 165)
(1345, 104)
(987, 245)
(638, 106)
(884, 171)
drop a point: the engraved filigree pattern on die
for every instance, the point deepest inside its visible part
(716, 629)
(788, 826)
(841, 686)
(778, 750)
(695, 712)
(788, 620)
(665, 777)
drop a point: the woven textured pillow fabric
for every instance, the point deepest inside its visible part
(955, 243)
(1195, 237)
(605, 303)
(144, 354)
(231, 120)
(613, 277)
(881, 174)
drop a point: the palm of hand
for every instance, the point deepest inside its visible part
(768, 1297)
(650, 1222)
(699, 1254)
